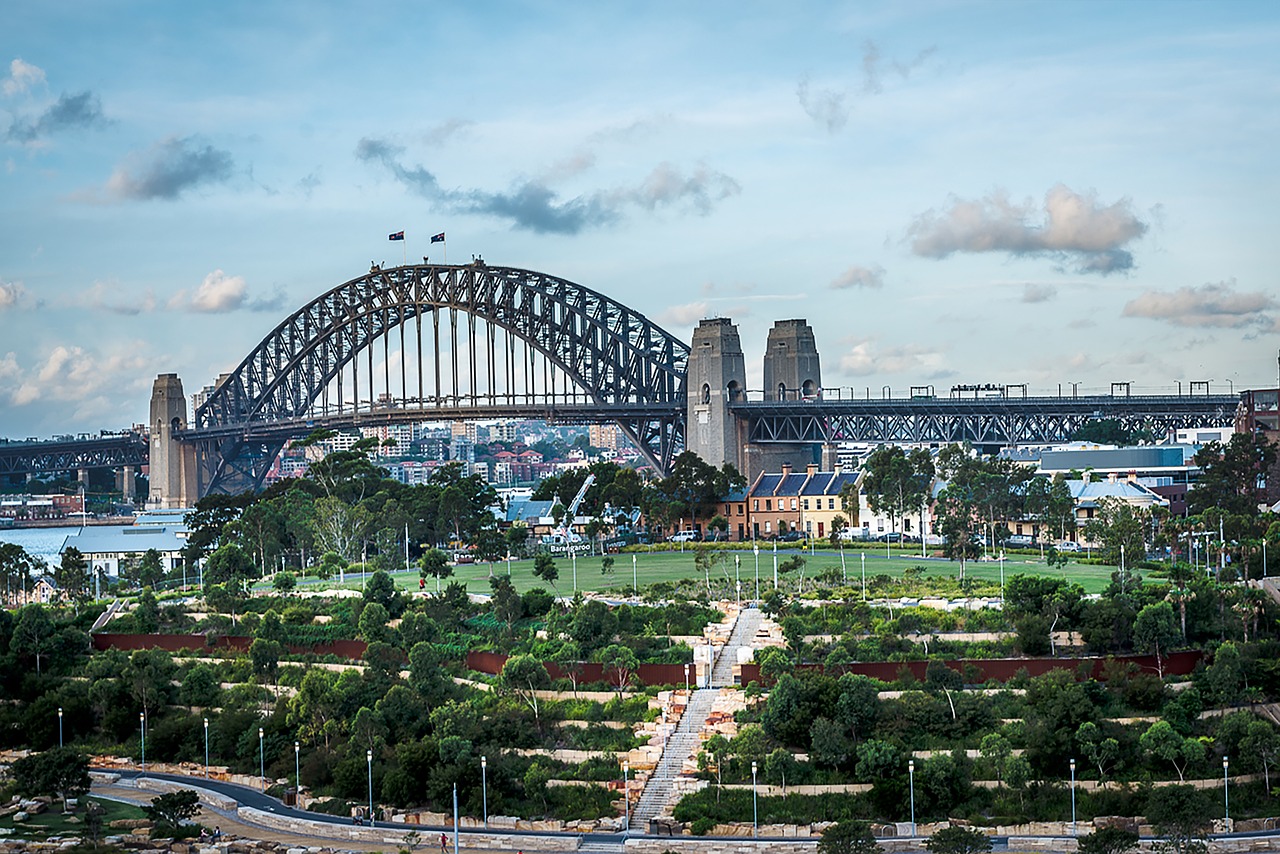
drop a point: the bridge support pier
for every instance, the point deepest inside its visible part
(82, 476)
(717, 376)
(173, 463)
(127, 475)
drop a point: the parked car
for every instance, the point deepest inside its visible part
(1018, 541)
(889, 537)
(683, 537)
(1068, 546)
(791, 537)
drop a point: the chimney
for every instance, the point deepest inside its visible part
(1111, 477)
(1088, 477)
(837, 468)
(811, 469)
(786, 469)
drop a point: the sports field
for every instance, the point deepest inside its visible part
(663, 564)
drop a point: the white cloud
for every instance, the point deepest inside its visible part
(1210, 305)
(860, 277)
(865, 358)
(685, 315)
(22, 76)
(1072, 227)
(74, 374)
(11, 293)
(108, 297)
(218, 293)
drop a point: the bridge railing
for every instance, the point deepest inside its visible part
(992, 391)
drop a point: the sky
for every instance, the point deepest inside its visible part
(949, 192)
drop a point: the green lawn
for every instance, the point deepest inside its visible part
(663, 565)
(54, 823)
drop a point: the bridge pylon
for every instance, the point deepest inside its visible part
(173, 463)
(717, 376)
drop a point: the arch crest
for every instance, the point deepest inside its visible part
(615, 355)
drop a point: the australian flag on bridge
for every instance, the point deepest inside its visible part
(399, 235)
(437, 238)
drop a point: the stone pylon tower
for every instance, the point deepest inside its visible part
(172, 463)
(791, 366)
(717, 374)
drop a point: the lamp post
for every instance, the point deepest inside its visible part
(737, 576)
(1073, 797)
(1122, 564)
(262, 763)
(755, 804)
(60, 726)
(1002, 578)
(635, 578)
(573, 557)
(368, 755)
(863, 555)
(775, 564)
(484, 786)
(206, 748)
(756, 548)
(688, 675)
(297, 770)
(142, 727)
(1226, 796)
(911, 772)
(626, 799)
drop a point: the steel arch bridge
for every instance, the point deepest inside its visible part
(533, 345)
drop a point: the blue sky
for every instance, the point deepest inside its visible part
(950, 192)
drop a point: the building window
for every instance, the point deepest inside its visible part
(768, 526)
(768, 504)
(740, 509)
(831, 504)
(793, 504)
(806, 504)
(755, 504)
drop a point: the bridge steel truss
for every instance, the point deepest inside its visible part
(982, 421)
(127, 449)
(625, 368)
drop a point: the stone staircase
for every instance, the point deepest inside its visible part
(744, 632)
(595, 845)
(679, 747)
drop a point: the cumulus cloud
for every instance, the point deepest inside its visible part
(168, 169)
(22, 76)
(74, 374)
(1072, 227)
(865, 358)
(108, 297)
(685, 315)
(860, 277)
(1213, 305)
(70, 112)
(11, 293)
(533, 205)
(220, 293)
(1033, 292)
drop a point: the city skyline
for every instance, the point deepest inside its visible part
(1087, 184)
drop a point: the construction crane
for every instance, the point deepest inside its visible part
(565, 535)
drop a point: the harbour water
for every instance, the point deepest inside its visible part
(44, 543)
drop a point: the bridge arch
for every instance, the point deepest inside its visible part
(623, 367)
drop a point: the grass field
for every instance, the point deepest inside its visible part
(670, 566)
(54, 823)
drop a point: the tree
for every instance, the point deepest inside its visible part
(1108, 840)
(619, 661)
(435, 564)
(172, 809)
(284, 582)
(1260, 741)
(830, 746)
(1163, 742)
(1097, 749)
(381, 589)
(848, 837)
(877, 760)
(895, 482)
(957, 840)
(146, 613)
(373, 623)
(1230, 474)
(72, 575)
(60, 772)
(1181, 815)
(228, 566)
(780, 764)
(995, 748)
(524, 676)
(200, 686)
(265, 657)
(1118, 525)
(544, 567)
(33, 635)
(1155, 631)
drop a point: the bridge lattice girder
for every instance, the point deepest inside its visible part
(614, 354)
(128, 449)
(980, 422)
